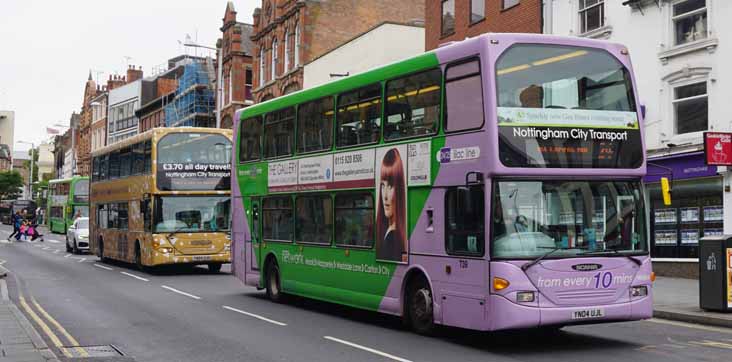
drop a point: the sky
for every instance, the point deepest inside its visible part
(48, 48)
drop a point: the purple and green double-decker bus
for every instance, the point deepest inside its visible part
(490, 184)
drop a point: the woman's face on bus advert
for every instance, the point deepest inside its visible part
(387, 198)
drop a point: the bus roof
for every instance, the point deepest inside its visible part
(157, 133)
(65, 180)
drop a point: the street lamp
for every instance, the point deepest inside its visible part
(33, 158)
(219, 89)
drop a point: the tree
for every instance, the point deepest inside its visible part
(10, 184)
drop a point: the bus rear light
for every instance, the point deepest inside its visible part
(639, 291)
(525, 297)
(500, 283)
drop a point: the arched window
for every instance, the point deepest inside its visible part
(297, 45)
(261, 66)
(287, 50)
(274, 58)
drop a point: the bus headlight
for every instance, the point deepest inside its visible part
(638, 291)
(525, 297)
(227, 247)
(166, 250)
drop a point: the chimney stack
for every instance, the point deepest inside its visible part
(133, 74)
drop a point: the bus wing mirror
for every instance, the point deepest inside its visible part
(666, 191)
(473, 178)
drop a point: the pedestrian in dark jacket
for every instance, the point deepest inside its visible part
(17, 219)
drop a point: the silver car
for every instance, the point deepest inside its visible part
(77, 236)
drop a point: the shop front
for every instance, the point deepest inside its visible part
(696, 211)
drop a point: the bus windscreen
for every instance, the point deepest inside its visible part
(194, 161)
(566, 107)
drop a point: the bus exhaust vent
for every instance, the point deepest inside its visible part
(92, 351)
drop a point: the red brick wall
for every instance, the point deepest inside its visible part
(166, 86)
(522, 18)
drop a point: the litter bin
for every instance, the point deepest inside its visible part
(715, 273)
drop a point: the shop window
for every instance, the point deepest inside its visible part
(592, 15)
(314, 219)
(463, 97)
(465, 220)
(315, 125)
(277, 219)
(359, 116)
(448, 17)
(279, 131)
(354, 216)
(690, 21)
(691, 108)
(413, 105)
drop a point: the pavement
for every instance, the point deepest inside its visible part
(19, 341)
(678, 299)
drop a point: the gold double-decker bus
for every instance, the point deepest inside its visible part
(163, 197)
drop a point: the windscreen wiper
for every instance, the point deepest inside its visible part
(177, 230)
(611, 251)
(550, 252)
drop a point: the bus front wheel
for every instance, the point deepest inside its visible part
(274, 291)
(420, 307)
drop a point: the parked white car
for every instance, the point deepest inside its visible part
(77, 236)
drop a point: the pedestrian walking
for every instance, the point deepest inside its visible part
(16, 219)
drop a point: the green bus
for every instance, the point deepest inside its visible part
(67, 199)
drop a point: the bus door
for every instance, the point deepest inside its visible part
(253, 254)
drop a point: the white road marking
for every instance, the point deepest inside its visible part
(255, 316)
(81, 260)
(690, 325)
(54, 241)
(182, 292)
(367, 349)
(46, 248)
(67, 255)
(103, 267)
(56, 251)
(2, 261)
(135, 276)
(38, 246)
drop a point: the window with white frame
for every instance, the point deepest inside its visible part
(691, 107)
(689, 21)
(448, 17)
(274, 58)
(287, 51)
(477, 10)
(297, 45)
(592, 15)
(510, 3)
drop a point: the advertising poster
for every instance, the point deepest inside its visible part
(419, 164)
(354, 169)
(664, 216)
(391, 212)
(729, 277)
(193, 176)
(665, 237)
(713, 213)
(689, 236)
(690, 214)
(718, 148)
(713, 232)
(282, 176)
(315, 173)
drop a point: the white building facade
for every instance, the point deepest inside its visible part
(121, 120)
(384, 44)
(678, 56)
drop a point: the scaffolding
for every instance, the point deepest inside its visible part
(194, 103)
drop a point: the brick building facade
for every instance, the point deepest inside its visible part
(237, 57)
(83, 147)
(455, 20)
(291, 33)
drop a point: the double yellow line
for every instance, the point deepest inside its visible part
(48, 331)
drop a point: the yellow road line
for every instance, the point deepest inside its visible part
(44, 327)
(82, 352)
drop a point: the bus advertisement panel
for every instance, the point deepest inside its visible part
(172, 211)
(409, 190)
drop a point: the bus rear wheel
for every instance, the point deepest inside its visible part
(100, 251)
(274, 291)
(420, 307)
(138, 258)
(214, 268)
